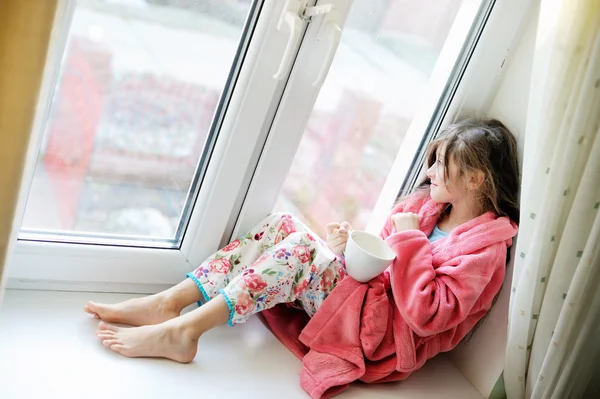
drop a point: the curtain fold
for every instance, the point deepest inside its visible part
(554, 306)
(25, 27)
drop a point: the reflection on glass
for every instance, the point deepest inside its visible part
(384, 61)
(139, 83)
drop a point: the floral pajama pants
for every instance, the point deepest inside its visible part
(279, 261)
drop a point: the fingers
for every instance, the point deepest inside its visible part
(335, 227)
(338, 241)
(331, 227)
(338, 234)
(339, 248)
(405, 221)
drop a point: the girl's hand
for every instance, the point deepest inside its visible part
(337, 236)
(405, 221)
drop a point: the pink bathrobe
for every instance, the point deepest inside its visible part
(423, 304)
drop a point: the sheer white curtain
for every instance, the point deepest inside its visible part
(555, 308)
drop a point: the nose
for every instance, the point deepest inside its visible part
(431, 172)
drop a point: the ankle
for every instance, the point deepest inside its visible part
(186, 328)
(181, 295)
(170, 302)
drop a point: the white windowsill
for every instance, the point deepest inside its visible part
(48, 350)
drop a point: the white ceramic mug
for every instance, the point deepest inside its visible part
(367, 256)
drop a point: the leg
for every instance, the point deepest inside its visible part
(153, 309)
(214, 274)
(283, 274)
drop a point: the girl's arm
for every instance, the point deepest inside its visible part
(434, 300)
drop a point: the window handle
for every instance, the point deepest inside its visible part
(332, 28)
(291, 18)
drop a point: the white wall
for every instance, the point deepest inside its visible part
(482, 359)
(510, 102)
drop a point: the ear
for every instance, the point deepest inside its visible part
(475, 179)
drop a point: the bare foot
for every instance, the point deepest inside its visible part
(163, 340)
(154, 309)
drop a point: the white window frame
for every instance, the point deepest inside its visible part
(52, 265)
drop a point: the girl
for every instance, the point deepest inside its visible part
(451, 237)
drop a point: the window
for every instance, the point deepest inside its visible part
(130, 118)
(345, 151)
(375, 87)
(162, 131)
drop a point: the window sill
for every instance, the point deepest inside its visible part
(48, 349)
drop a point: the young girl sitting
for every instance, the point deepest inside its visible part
(451, 237)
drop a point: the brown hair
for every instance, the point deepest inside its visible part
(486, 145)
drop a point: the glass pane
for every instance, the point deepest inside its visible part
(139, 83)
(385, 58)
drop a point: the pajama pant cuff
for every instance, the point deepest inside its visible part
(200, 287)
(230, 306)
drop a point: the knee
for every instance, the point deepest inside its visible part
(281, 215)
(299, 236)
(284, 219)
(275, 218)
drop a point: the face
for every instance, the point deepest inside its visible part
(445, 190)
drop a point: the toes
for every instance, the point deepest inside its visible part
(110, 342)
(89, 310)
(107, 327)
(105, 334)
(101, 330)
(91, 307)
(104, 339)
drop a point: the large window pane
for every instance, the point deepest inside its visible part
(387, 53)
(139, 84)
